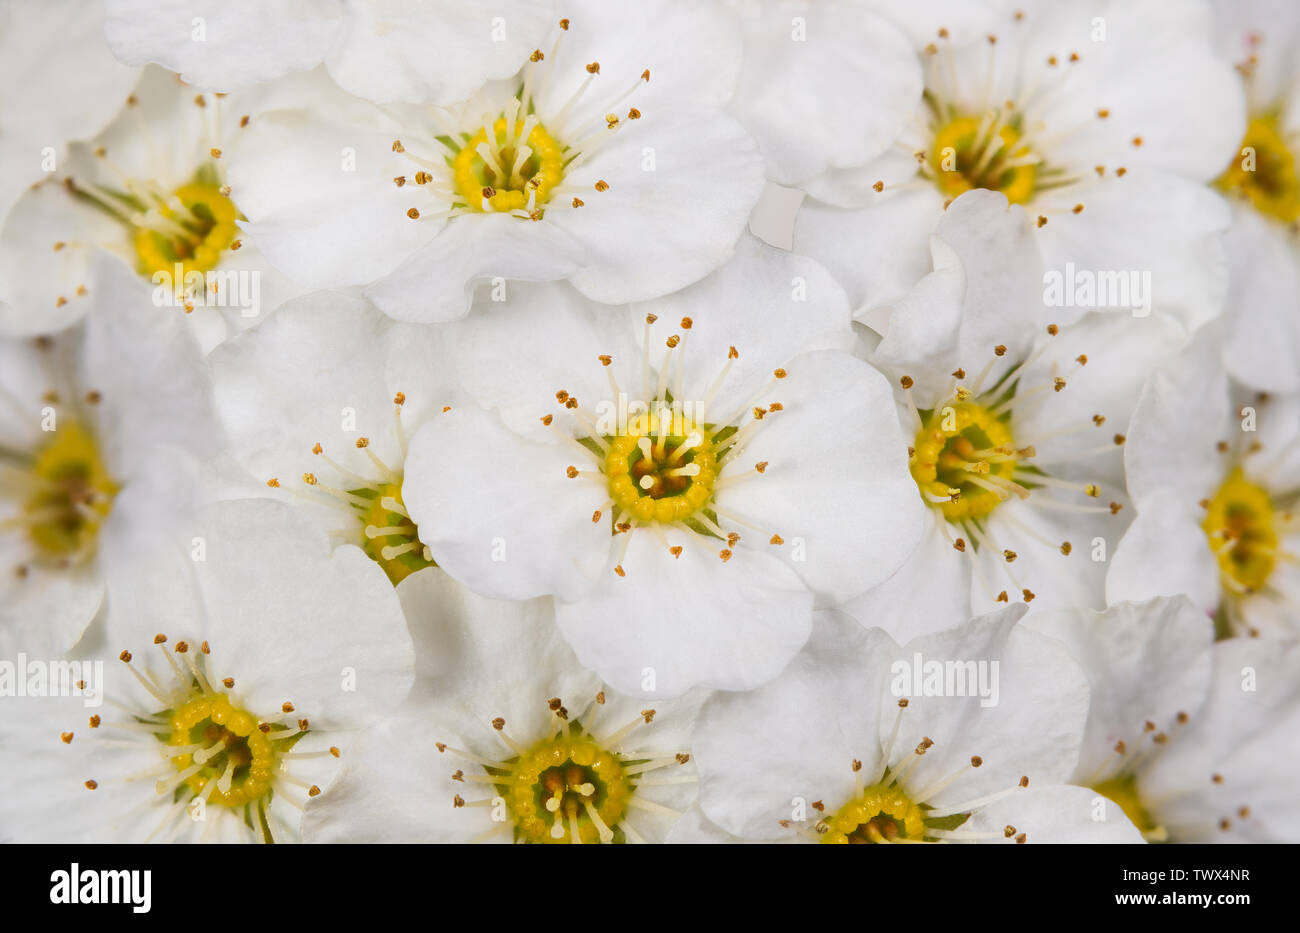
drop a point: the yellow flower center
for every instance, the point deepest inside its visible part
(392, 540)
(1264, 171)
(74, 493)
(235, 752)
(1122, 791)
(562, 785)
(662, 469)
(1240, 525)
(960, 452)
(193, 233)
(508, 172)
(982, 152)
(880, 814)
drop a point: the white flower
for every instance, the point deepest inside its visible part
(318, 403)
(60, 83)
(151, 190)
(1262, 346)
(1193, 743)
(607, 160)
(822, 85)
(1215, 487)
(98, 428)
(508, 739)
(240, 694)
(843, 748)
(687, 475)
(413, 50)
(1105, 139)
(1014, 427)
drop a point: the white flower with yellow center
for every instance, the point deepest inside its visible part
(1191, 743)
(508, 739)
(1217, 487)
(151, 190)
(319, 402)
(1015, 427)
(97, 430)
(60, 84)
(687, 476)
(1080, 113)
(606, 160)
(414, 50)
(848, 746)
(221, 726)
(1262, 345)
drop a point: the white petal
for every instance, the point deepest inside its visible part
(1057, 813)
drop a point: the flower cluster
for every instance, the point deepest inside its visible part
(673, 421)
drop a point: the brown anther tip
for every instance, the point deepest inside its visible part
(363, 443)
(906, 382)
(546, 419)
(976, 761)
(125, 656)
(578, 202)
(264, 727)
(309, 479)
(878, 187)
(1024, 780)
(1042, 221)
(1216, 778)
(458, 801)
(66, 737)
(732, 353)
(1058, 383)
(959, 373)
(776, 539)
(761, 466)
(214, 152)
(498, 724)
(1225, 824)
(571, 472)
(91, 785)
(1115, 507)
(959, 544)
(304, 725)
(902, 704)
(228, 683)
(1121, 171)
(675, 550)
(1182, 717)
(317, 448)
(413, 213)
(1000, 350)
(1009, 556)
(489, 192)
(593, 68)
(537, 56)
(620, 571)
(1002, 597)
(1137, 141)
(397, 146)
(595, 516)
(1243, 812)
(1020, 840)
(1028, 595)
(602, 185)
(273, 483)
(1120, 746)
(94, 722)
(399, 180)
(1066, 548)
(648, 715)
(1119, 440)
(645, 75)
(399, 398)
(732, 538)
(605, 359)
(725, 554)
(159, 638)
(634, 114)
(334, 750)
(181, 647)
(672, 341)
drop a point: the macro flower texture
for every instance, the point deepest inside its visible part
(689, 422)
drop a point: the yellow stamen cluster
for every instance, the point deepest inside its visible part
(1240, 523)
(499, 181)
(550, 787)
(384, 548)
(74, 493)
(195, 237)
(968, 154)
(879, 814)
(248, 752)
(957, 444)
(663, 477)
(1264, 171)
